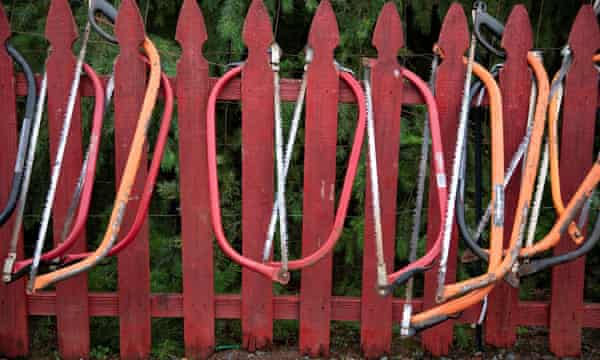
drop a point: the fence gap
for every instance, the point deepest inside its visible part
(257, 174)
(576, 158)
(133, 262)
(453, 41)
(196, 230)
(14, 333)
(319, 181)
(387, 84)
(72, 315)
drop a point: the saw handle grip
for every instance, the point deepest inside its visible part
(484, 19)
(389, 289)
(106, 9)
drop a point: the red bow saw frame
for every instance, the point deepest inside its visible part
(273, 270)
(387, 282)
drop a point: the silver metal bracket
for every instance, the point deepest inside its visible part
(9, 264)
(308, 58)
(342, 68)
(499, 205)
(275, 52)
(381, 275)
(405, 330)
(234, 64)
(538, 53)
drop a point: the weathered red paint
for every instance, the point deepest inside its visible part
(319, 180)
(257, 174)
(576, 158)
(14, 335)
(515, 84)
(454, 41)
(233, 91)
(343, 308)
(387, 87)
(133, 262)
(196, 231)
(72, 319)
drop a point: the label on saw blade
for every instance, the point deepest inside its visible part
(441, 176)
(441, 180)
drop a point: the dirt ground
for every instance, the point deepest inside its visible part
(531, 346)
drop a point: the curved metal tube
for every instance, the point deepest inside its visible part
(447, 310)
(554, 111)
(421, 183)
(107, 10)
(525, 193)
(57, 254)
(424, 263)
(472, 241)
(129, 175)
(145, 199)
(7, 275)
(24, 137)
(20, 267)
(272, 270)
(87, 179)
(483, 19)
(553, 237)
(477, 90)
(537, 265)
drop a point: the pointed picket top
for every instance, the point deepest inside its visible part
(324, 33)
(584, 38)
(61, 29)
(5, 32)
(129, 26)
(454, 35)
(191, 29)
(518, 37)
(388, 36)
(258, 31)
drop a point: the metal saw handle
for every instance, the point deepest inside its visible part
(484, 19)
(106, 9)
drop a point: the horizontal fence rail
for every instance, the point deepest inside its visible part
(315, 306)
(233, 90)
(346, 308)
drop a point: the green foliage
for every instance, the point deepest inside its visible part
(463, 337)
(167, 339)
(100, 353)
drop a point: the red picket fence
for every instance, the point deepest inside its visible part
(314, 307)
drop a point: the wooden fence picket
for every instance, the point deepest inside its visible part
(257, 174)
(133, 262)
(14, 333)
(196, 230)
(319, 181)
(376, 311)
(453, 41)
(515, 84)
(72, 313)
(576, 158)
